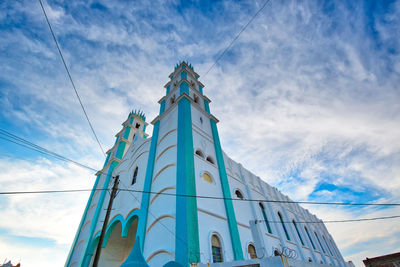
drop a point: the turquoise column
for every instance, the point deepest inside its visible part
(144, 205)
(83, 218)
(230, 213)
(187, 247)
(84, 260)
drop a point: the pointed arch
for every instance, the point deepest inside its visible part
(132, 216)
(115, 220)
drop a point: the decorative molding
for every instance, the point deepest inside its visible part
(160, 171)
(158, 219)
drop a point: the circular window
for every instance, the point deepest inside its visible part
(207, 177)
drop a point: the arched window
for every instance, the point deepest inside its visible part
(309, 237)
(172, 100)
(309, 259)
(200, 153)
(201, 120)
(207, 177)
(298, 233)
(135, 173)
(216, 249)
(239, 194)
(196, 99)
(319, 242)
(265, 217)
(326, 243)
(284, 227)
(210, 159)
(252, 251)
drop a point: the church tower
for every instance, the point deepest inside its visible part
(180, 197)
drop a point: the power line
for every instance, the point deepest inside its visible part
(129, 190)
(340, 221)
(27, 144)
(202, 197)
(237, 36)
(70, 77)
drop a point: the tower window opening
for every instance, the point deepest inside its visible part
(216, 249)
(200, 153)
(309, 260)
(172, 99)
(252, 251)
(135, 173)
(201, 120)
(265, 218)
(137, 126)
(284, 227)
(196, 99)
(239, 194)
(210, 159)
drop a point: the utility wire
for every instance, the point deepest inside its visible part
(237, 36)
(341, 221)
(70, 77)
(128, 190)
(201, 196)
(25, 143)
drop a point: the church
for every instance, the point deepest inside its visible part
(183, 202)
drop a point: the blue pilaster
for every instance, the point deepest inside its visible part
(187, 248)
(144, 206)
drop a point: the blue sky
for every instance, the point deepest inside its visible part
(308, 98)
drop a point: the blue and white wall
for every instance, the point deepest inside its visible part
(184, 146)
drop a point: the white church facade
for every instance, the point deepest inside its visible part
(183, 201)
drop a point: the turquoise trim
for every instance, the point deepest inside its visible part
(168, 89)
(97, 213)
(207, 106)
(230, 213)
(144, 128)
(120, 150)
(184, 88)
(162, 107)
(116, 139)
(126, 133)
(201, 89)
(187, 247)
(183, 74)
(83, 218)
(107, 159)
(110, 227)
(141, 231)
(131, 120)
(172, 77)
(266, 220)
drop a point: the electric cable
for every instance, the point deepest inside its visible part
(70, 77)
(237, 36)
(201, 197)
(30, 145)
